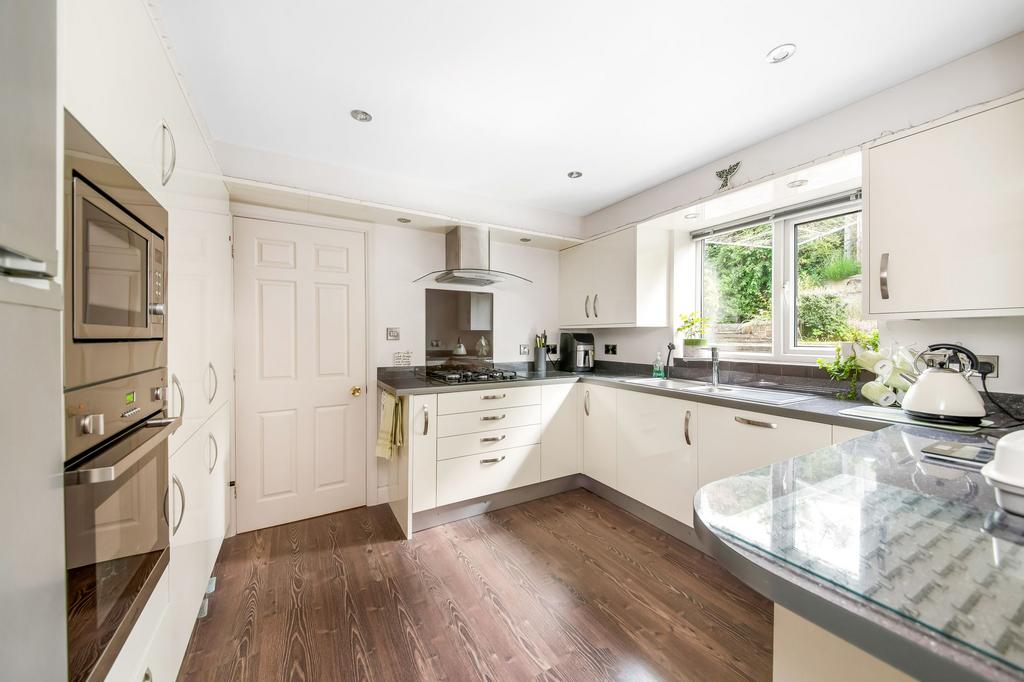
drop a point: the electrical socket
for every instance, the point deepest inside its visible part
(552, 349)
(611, 349)
(994, 360)
(524, 349)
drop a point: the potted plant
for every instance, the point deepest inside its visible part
(693, 327)
(844, 368)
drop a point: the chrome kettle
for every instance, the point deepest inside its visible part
(943, 394)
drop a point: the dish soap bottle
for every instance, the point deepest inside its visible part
(659, 367)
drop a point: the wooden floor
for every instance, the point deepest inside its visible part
(564, 588)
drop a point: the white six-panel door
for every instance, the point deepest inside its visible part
(300, 323)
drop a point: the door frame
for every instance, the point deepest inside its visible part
(303, 219)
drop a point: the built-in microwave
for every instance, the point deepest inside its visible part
(119, 269)
(115, 269)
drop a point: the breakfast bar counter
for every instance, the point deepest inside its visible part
(910, 561)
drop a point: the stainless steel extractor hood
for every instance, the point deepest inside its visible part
(468, 260)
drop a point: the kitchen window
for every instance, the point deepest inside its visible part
(786, 286)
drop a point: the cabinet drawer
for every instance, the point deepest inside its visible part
(734, 441)
(492, 398)
(486, 441)
(467, 477)
(487, 420)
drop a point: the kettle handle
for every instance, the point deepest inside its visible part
(969, 354)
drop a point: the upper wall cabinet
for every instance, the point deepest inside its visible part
(120, 85)
(619, 280)
(944, 212)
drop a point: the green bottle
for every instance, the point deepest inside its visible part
(658, 371)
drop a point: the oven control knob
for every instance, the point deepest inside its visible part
(92, 424)
(157, 309)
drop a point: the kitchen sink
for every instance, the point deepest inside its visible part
(674, 384)
(754, 395)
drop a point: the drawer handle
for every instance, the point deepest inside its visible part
(494, 396)
(493, 418)
(754, 422)
(686, 428)
(493, 439)
(493, 460)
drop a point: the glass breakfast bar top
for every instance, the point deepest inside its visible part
(869, 516)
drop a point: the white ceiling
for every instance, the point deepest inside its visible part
(501, 100)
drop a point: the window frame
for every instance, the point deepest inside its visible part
(784, 288)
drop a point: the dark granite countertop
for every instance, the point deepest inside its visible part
(911, 561)
(411, 381)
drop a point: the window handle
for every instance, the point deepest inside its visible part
(883, 276)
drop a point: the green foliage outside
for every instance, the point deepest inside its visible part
(840, 268)
(744, 278)
(823, 317)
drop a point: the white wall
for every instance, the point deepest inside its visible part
(988, 74)
(400, 255)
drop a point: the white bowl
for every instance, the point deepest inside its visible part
(1008, 464)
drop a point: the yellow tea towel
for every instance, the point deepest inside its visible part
(389, 426)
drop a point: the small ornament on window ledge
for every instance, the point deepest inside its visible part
(725, 175)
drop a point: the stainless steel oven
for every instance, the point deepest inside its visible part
(116, 507)
(115, 267)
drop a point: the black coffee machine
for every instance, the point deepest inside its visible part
(576, 352)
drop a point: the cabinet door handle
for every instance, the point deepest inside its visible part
(883, 276)
(586, 306)
(181, 392)
(494, 396)
(754, 422)
(168, 169)
(181, 516)
(493, 418)
(426, 419)
(493, 460)
(586, 403)
(216, 452)
(595, 305)
(216, 381)
(493, 439)
(686, 428)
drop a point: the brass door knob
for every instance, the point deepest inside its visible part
(356, 390)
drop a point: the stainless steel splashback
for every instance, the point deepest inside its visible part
(454, 317)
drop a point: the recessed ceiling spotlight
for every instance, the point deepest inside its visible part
(404, 220)
(796, 183)
(779, 54)
(691, 216)
(361, 116)
(575, 174)
(525, 240)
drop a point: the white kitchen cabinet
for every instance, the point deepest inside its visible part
(422, 448)
(197, 523)
(731, 441)
(599, 407)
(618, 280)
(119, 83)
(944, 229)
(199, 316)
(146, 646)
(464, 478)
(841, 434)
(488, 399)
(560, 437)
(657, 452)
